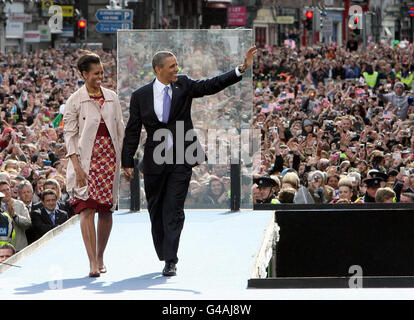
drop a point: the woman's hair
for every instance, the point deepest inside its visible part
(315, 173)
(215, 178)
(85, 61)
(9, 162)
(345, 181)
(292, 179)
(336, 176)
(355, 175)
(360, 108)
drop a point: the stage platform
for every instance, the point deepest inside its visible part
(219, 253)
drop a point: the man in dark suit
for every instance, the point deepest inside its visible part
(163, 106)
(48, 216)
(61, 205)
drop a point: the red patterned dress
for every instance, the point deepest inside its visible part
(101, 171)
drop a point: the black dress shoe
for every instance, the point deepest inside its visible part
(169, 270)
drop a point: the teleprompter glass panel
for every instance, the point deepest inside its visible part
(222, 121)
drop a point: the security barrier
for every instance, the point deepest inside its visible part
(343, 246)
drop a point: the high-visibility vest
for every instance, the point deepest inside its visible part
(370, 79)
(360, 199)
(407, 81)
(7, 232)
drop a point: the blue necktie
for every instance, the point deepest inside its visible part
(166, 105)
(52, 217)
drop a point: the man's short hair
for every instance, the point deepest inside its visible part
(384, 194)
(48, 192)
(286, 195)
(24, 183)
(8, 246)
(409, 195)
(4, 182)
(159, 57)
(55, 183)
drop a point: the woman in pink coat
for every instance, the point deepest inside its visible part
(93, 131)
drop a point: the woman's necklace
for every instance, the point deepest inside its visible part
(95, 94)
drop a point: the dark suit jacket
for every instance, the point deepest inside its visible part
(62, 205)
(142, 113)
(41, 222)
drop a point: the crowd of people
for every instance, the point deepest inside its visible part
(329, 116)
(337, 124)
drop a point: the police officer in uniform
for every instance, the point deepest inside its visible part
(266, 186)
(7, 232)
(379, 174)
(371, 77)
(373, 184)
(405, 76)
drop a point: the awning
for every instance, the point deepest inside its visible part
(218, 4)
(264, 16)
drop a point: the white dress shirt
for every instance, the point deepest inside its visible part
(158, 89)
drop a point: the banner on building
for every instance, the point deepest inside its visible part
(20, 17)
(45, 35)
(32, 36)
(67, 11)
(236, 16)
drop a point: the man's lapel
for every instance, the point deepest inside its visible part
(175, 93)
(150, 95)
(46, 217)
(58, 217)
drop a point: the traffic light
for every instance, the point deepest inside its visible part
(353, 24)
(82, 24)
(309, 14)
(308, 19)
(82, 28)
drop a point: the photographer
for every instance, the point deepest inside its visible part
(320, 192)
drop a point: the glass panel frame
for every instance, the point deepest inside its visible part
(218, 119)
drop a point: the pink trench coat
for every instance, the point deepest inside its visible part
(81, 120)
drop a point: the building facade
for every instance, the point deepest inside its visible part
(392, 20)
(273, 21)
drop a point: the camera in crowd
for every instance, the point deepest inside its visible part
(330, 126)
